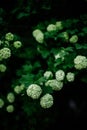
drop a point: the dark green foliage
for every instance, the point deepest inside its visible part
(28, 64)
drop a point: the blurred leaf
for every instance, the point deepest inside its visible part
(27, 79)
(22, 14)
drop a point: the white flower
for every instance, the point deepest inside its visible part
(17, 89)
(40, 38)
(70, 77)
(48, 74)
(81, 66)
(60, 74)
(34, 91)
(46, 101)
(73, 39)
(2, 68)
(1, 103)
(10, 97)
(36, 32)
(79, 59)
(51, 27)
(80, 62)
(9, 36)
(17, 44)
(59, 25)
(38, 35)
(22, 86)
(54, 84)
(10, 108)
(5, 53)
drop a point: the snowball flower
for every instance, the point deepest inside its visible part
(51, 27)
(10, 97)
(1, 103)
(73, 39)
(34, 91)
(36, 32)
(17, 44)
(48, 74)
(40, 38)
(46, 101)
(5, 53)
(70, 77)
(54, 84)
(80, 62)
(2, 68)
(22, 86)
(10, 108)
(59, 25)
(17, 89)
(38, 35)
(60, 74)
(9, 36)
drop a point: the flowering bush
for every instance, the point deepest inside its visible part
(54, 58)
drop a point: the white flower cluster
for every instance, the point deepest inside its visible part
(2, 68)
(57, 83)
(51, 27)
(5, 53)
(54, 84)
(48, 74)
(46, 101)
(38, 35)
(70, 76)
(80, 62)
(73, 39)
(34, 91)
(17, 44)
(10, 108)
(9, 36)
(1, 103)
(60, 74)
(11, 97)
(55, 27)
(19, 88)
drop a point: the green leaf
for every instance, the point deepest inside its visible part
(69, 49)
(27, 79)
(84, 29)
(58, 62)
(27, 68)
(22, 14)
(81, 46)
